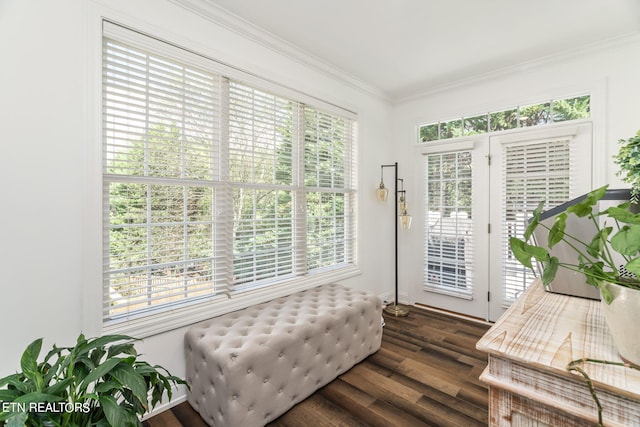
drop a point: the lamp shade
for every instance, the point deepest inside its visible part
(405, 220)
(382, 192)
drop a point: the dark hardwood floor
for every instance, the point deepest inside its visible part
(425, 374)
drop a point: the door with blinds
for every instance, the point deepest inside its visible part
(480, 192)
(551, 165)
(456, 217)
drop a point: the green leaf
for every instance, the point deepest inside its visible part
(585, 207)
(627, 240)
(58, 366)
(8, 395)
(519, 252)
(533, 223)
(621, 214)
(117, 349)
(108, 386)
(144, 369)
(17, 419)
(536, 252)
(29, 363)
(597, 244)
(634, 266)
(129, 378)
(117, 415)
(19, 382)
(59, 388)
(550, 268)
(556, 234)
(11, 380)
(85, 346)
(99, 372)
(38, 396)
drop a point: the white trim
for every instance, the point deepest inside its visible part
(446, 145)
(559, 130)
(92, 219)
(606, 45)
(185, 315)
(599, 133)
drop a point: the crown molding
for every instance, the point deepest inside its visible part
(608, 45)
(210, 11)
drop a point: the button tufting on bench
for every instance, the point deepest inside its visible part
(257, 363)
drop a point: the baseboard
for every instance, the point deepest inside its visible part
(453, 314)
(389, 297)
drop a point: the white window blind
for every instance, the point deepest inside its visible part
(533, 171)
(213, 189)
(261, 136)
(161, 142)
(329, 174)
(448, 215)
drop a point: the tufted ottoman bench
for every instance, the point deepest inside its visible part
(248, 367)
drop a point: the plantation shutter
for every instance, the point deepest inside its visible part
(161, 177)
(533, 171)
(261, 149)
(449, 242)
(329, 179)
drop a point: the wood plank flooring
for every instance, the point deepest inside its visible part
(425, 374)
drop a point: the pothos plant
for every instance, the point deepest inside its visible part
(628, 159)
(594, 258)
(98, 382)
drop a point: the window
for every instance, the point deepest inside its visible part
(533, 171)
(213, 188)
(523, 116)
(448, 235)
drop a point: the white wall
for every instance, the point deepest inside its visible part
(42, 123)
(50, 255)
(609, 74)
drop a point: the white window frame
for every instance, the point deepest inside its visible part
(178, 315)
(445, 233)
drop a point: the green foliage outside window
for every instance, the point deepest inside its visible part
(179, 241)
(503, 120)
(524, 116)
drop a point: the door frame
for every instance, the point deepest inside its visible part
(487, 301)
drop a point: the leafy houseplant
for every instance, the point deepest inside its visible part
(595, 259)
(98, 382)
(619, 288)
(628, 158)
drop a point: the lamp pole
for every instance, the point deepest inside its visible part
(395, 309)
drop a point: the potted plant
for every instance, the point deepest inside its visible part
(617, 231)
(98, 382)
(628, 158)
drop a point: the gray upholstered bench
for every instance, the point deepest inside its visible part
(248, 367)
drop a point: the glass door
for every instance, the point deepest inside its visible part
(479, 193)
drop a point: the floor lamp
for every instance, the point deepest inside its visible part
(405, 222)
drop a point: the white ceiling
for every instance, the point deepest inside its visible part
(404, 47)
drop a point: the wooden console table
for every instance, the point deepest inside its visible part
(529, 349)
